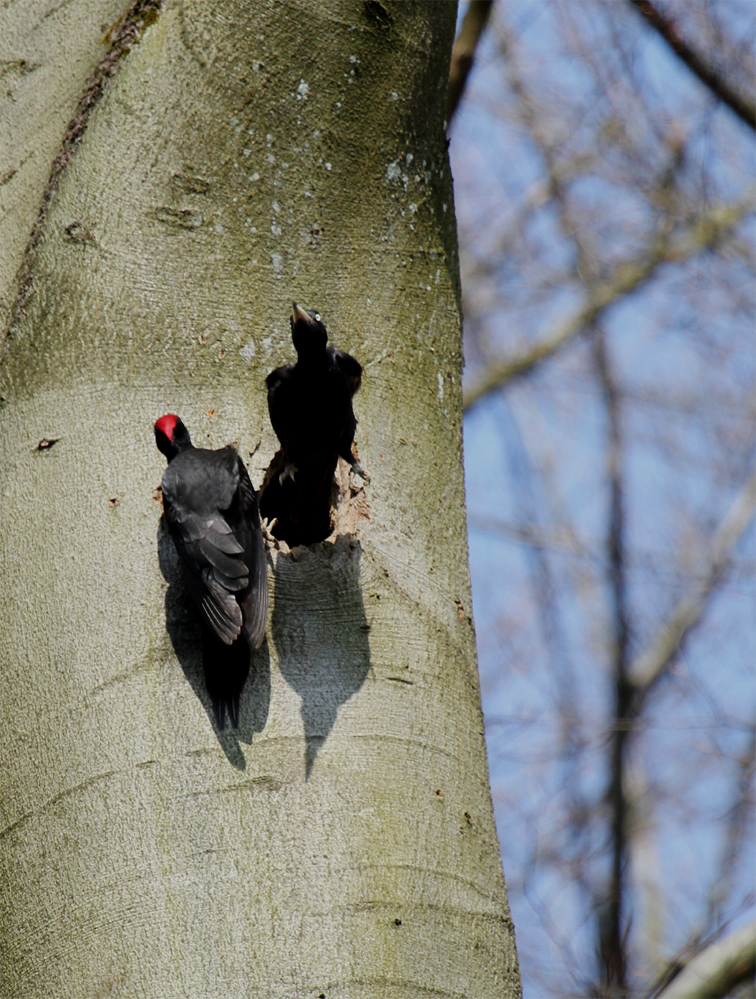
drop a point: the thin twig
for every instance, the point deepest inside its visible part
(650, 666)
(736, 838)
(626, 277)
(737, 824)
(705, 72)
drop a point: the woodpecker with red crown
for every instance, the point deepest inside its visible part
(212, 515)
(310, 406)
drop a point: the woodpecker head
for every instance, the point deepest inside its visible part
(171, 436)
(307, 331)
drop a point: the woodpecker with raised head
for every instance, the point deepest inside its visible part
(212, 515)
(310, 405)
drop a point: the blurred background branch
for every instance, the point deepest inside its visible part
(705, 72)
(653, 662)
(717, 970)
(605, 207)
(626, 277)
(463, 53)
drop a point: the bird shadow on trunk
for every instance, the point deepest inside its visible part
(192, 643)
(320, 632)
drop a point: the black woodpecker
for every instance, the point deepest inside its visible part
(310, 405)
(212, 515)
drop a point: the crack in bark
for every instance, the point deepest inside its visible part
(122, 37)
(54, 801)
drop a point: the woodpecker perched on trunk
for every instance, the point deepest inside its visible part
(212, 515)
(310, 405)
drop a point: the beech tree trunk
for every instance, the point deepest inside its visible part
(227, 158)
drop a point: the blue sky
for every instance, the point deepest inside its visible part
(683, 354)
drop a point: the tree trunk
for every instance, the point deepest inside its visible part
(226, 158)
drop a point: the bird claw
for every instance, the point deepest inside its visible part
(357, 469)
(288, 473)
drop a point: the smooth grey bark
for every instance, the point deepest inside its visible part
(47, 51)
(341, 842)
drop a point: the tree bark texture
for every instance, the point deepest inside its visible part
(228, 158)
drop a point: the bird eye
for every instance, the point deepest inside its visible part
(317, 317)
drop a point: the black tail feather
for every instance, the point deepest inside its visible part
(226, 671)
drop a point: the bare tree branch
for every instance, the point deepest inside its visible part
(737, 825)
(706, 73)
(736, 838)
(624, 279)
(612, 914)
(463, 53)
(555, 235)
(563, 540)
(652, 663)
(717, 969)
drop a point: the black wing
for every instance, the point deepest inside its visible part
(244, 518)
(349, 367)
(211, 511)
(349, 380)
(278, 382)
